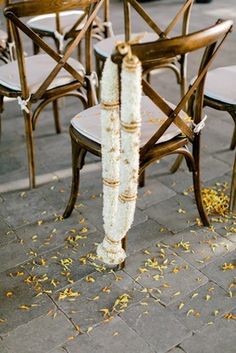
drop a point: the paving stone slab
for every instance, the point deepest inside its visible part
(7, 234)
(215, 140)
(115, 336)
(227, 156)
(180, 181)
(55, 193)
(13, 254)
(14, 164)
(153, 193)
(203, 306)
(49, 147)
(54, 232)
(217, 168)
(98, 294)
(3, 348)
(144, 235)
(62, 266)
(224, 278)
(24, 208)
(19, 304)
(168, 276)
(181, 214)
(156, 325)
(199, 246)
(216, 338)
(40, 335)
(212, 167)
(225, 226)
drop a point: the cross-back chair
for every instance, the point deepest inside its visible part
(63, 27)
(166, 128)
(219, 94)
(178, 64)
(44, 78)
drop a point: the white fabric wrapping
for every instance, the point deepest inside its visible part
(120, 155)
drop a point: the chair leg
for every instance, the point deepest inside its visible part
(197, 182)
(35, 48)
(233, 141)
(176, 163)
(198, 198)
(1, 110)
(141, 180)
(124, 246)
(232, 203)
(30, 149)
(78, 155)
(56, 116)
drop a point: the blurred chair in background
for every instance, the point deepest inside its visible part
(44, 78)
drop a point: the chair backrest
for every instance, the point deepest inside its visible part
(183, 16)
(15, 11)
(209, 39)
(181, 19)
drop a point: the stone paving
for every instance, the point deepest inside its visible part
(177, 292)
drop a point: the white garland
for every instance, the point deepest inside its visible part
(120, 154)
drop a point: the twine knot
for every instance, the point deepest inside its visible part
(23, 103)
(198, 127)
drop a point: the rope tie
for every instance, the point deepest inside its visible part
(23, 103)
(198, 127)
(60, 38)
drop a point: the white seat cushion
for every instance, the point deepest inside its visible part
(106, 46)
(220, 84)
(48, 22)
(38, 68)
(88, 122)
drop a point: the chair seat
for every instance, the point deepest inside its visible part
(106, 46)
(220, 84)
(38, 68)
(47, 22)
(88, 122)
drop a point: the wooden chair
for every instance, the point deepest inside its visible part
(63, 27)
(219, 94)
(166, 128)
(178, 64)
(45, 78)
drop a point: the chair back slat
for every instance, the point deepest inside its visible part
(211, 40)
(183, 13)
(32, 8)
